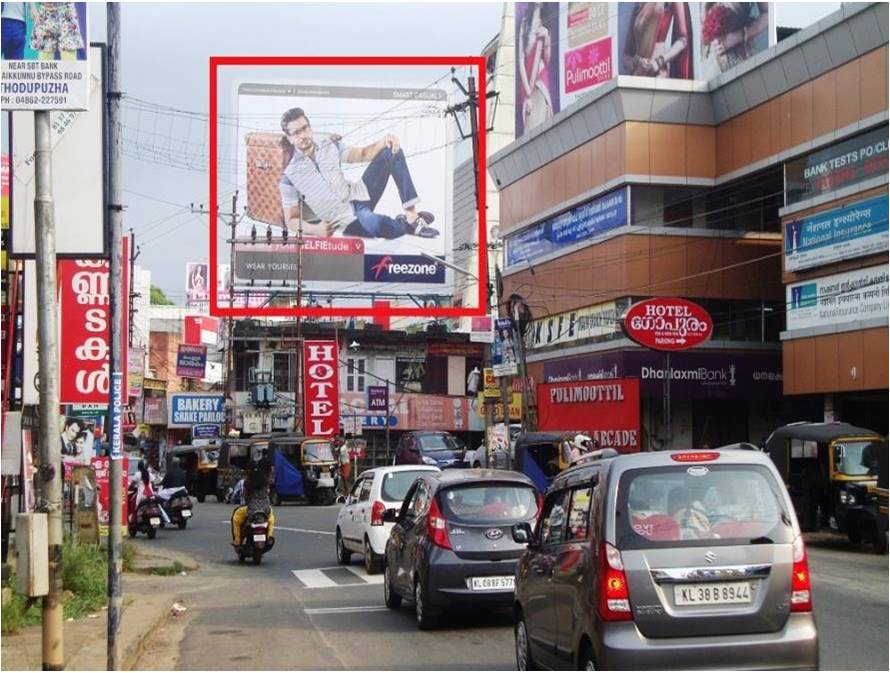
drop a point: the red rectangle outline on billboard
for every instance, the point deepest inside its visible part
(375, 311)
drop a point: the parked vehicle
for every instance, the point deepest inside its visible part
(431, 447)
(360, 525)
(479, 457)
(451, 544)
(178, 505)
(235, 456)
(882, 498)
(540, 455)
(665, 560)
(831, 473)
(255, 539)
(304, 467)
(200, 465)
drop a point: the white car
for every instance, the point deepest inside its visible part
(360, 526)
(477, 458)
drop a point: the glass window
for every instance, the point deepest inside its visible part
(318, 452)
(366, 490)
(283, 372)
(438, 442)
(356, 491)
(489, 503)
(579, 514)
(855, 458)
(684, 504)
(355, 374)
(419, 500)
(396, 484)
(553, 521)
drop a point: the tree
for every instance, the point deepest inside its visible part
(158, 296)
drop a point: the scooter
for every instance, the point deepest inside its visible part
(177, 504)
(146, 517)
(255, 539)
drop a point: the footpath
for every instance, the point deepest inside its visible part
(151, 597)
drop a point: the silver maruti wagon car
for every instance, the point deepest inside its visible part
(668, 560)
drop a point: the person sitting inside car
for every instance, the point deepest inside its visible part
(690, 515)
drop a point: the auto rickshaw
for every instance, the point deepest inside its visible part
(200, 465)
(304, 467)
(235, 457)
(541, 455)
(830, 470)
(883, 500)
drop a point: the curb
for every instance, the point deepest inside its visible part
(132, 651)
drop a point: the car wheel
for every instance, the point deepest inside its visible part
(343, 554)
(390, 596)
(372, 561)
(524, 661)
(421, 612)
(586, 661)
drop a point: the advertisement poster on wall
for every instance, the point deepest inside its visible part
(840, 298)
(841, 233)
(373, 164)
(103, 476)
(587, 56)
(197, 292)
(135, 371)
(537, 63)
(608, 410)
(503, 351)
(45, 56)
(77, 439)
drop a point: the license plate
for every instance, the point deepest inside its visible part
(716, 593)
(259, 538)
(186, 513)
(496, 583)
(154, 521)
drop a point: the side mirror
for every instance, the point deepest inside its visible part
(390, 515)
(522, 533)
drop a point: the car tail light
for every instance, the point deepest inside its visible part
(614, 599)
(377, 510)
(695, 456)
(801, 591)
(436, 526)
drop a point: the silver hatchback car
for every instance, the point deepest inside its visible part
(675, 559)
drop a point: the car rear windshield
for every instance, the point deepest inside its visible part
(396, 484)
(682, 505)
(438, 443)
(489, 503)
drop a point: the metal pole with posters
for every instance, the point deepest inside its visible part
(48, 358)
(116, 309)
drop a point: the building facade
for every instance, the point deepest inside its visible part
(650, 187)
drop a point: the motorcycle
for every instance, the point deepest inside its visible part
(177, 504)
(145, 517)
(255, 539)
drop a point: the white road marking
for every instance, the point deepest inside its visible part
(317, 578)
(338, 611)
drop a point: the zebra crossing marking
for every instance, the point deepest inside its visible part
(318, 578)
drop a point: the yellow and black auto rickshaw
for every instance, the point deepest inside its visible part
(304, 467)
(831, 473)
(199, 463)
(235, 457)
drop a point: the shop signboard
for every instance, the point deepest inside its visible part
(188, 409)
(321, 388)
(154, 410)
(840, 298)
(149, 383)
(667, 324)
(482, 329)
(844, 163)
(498, 407)
(693, 374)
(581, 223)
(102, 466)
(503, 352)
(415, 411)
(191, 361)
(490, 387)
(378, 399)
(205, 431)
(608, 410)
(135, 372)
(601, 322)
(841, 233)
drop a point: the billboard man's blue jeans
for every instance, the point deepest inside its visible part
(384, 166)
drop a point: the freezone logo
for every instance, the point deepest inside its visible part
(403, 269)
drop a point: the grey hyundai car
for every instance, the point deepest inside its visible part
(452, 543)
(666, 560)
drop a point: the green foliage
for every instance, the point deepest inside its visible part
(16, 614)
(128, 557)
(158, 297)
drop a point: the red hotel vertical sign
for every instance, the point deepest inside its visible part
(85, 329)
(321, 388)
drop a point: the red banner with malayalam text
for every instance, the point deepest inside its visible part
(85, 328)
(321, 396)
(608, 410)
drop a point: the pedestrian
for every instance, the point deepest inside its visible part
(314, 172)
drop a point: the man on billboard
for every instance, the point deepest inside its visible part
(315, 171)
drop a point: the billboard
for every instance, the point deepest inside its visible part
(537, 63)
(135, 372)
(197, 289)
(364, 171)
(45, 56)
(78, 174)
(841, 233)
(839, 298)
(503, 352)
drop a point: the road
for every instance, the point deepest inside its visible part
(299, 610)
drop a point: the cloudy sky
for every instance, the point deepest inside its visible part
(165, 52)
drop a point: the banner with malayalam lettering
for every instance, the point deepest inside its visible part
(84, 328)
(839, 298)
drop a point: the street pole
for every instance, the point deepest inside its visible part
(298, 368)
(134, 253)
(48, 359)
(115, 218)
(387, 427)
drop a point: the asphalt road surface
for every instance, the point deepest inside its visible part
(300, 610)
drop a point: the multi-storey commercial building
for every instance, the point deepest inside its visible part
(760, 194)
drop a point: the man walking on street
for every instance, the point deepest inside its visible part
(315, 171)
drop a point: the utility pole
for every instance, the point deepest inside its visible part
(134, 254)
(115, 439)
(48, 357)
(298, 327)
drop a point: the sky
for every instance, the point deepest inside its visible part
(165, 50)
